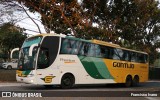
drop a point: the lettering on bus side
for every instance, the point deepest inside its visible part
(67, 60)
(123, 65)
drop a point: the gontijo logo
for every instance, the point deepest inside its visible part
(123, 65)
(48, 79)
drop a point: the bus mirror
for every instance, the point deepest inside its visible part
(31, 49)
(13, 50)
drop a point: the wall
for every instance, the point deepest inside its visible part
(7, 75)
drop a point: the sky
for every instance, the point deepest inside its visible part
(29, 25)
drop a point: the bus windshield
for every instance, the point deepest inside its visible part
(27, 62)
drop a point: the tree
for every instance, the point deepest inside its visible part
(7, 11)
(12, 11)
(56, 15)
(11, 37)
(136, 20)
(131, 23)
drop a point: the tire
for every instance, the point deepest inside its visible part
(136, 81)
(128, 82)
(67, 81)
(9, 67)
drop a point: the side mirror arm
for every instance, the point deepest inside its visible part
(13, 50)
(31, 49)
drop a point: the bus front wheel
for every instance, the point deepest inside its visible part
(128, 82)
(67, 81)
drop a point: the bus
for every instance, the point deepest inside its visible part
(50, 59)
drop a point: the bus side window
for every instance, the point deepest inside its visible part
(141, 58)
(146, 58)
(91, 50)
(72, 47)
(80, 52)
(97, 51)
(75, 45)
(83, 50)
(133, 57)
(125, 55)
(104, 51)
(66, 46)
(117, 54)
(110, 53)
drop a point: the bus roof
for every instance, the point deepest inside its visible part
(114, 45)
(90, 41)
(43, 35)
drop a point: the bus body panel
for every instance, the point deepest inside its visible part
(85, 69)
(67, 64)
(28, 76)
(120, 69)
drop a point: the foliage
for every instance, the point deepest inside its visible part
(10, 11)
(10, 37)
(131, 23)
(157, 61)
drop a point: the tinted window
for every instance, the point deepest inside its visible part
(118, 53)
(43, 58)
(69, 46)
(65, 46)
(133, 57)
(146, 58)
(126, 55)
(89, 49)
(94, 50)
(84, 47)
(48, 52)
(110, 53)
(104, 51)
(142, 58)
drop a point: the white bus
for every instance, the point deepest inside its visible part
(49, 60)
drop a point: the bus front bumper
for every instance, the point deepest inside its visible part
(30, 80)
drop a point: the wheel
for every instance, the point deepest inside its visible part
(9, 67)
(67, 81)
(136, 81)
(128, 82)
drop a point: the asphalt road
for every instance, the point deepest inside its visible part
(145, 91)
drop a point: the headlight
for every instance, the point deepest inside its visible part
(3, 64)
(32, 81)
